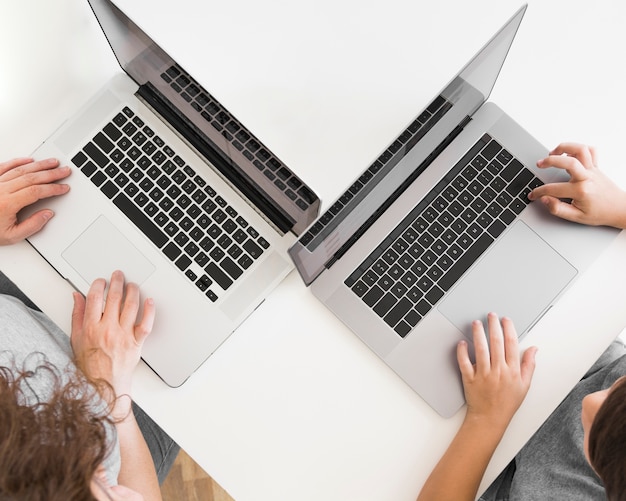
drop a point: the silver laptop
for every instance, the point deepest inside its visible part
(438, 231)
(173, 190)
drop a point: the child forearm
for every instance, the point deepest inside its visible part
(458, 473)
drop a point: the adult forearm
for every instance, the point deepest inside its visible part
(137, 468)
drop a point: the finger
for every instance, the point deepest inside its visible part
(594, 155)
(94, 301)
(78, 313)
(463, 359)
(571, 165)
(496, 340)
(115, 296)
(31, 194)
(27, 176)
(29, 226)
(144, 328)
(28, 166)
(481, 349)
(563, 210)
(581, 152)
(555, 190)
(128, 317)
(527, 367)
(13, 163)
(511, 348)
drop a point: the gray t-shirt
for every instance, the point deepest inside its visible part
(26, 337)
(552, 464)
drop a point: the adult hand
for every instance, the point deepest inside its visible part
(107, 337)
(595, 199)
(498, 382)
(22, 183)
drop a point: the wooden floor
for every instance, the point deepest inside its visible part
(188, 482)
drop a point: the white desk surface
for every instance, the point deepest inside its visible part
(295, 407)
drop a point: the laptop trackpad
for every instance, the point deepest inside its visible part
(102, 249)
(519, 277)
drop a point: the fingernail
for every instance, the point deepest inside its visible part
(47, 215)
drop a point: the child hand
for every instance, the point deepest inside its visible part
(595, 199)
(497, 383)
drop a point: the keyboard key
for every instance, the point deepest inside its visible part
(385, 304)
(96, 155)
(151, 230)
(252, 249)
(231, 268)
(465, 261)
(397, 312)
(217, 274)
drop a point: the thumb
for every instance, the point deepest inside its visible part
(562, 209)
(31, 225)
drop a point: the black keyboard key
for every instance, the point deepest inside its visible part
(511, 170)
(412, 318)
(517, 205)
(109, 189)
(172, 251)
(373, 296)
(434, 295)
(491, 150)
(520, 182)
(398, 311)
(79, 159)
(89, 168)
(403, 328)
(465, 261)
(253, 249)
(112, 131)
(96, 155)
(496, 228)
(151, 230)
(231, 268)
(359, 288)
(103, 142)
(98, 178)
(183, 262)
(383, 306)
(219, 276)
(245, 262)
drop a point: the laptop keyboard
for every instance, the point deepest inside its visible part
(170, 203)
(240, 137)
(413, 133)
(427, 253)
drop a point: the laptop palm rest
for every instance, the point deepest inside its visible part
(520, 277)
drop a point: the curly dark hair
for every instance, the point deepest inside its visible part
(607, 443)
(49, 450)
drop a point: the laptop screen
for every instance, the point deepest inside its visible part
(408, 155)
(226, 143)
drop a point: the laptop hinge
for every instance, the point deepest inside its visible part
(396, 194)
(215, 157)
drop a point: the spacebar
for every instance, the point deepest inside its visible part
(151, 230)
(467, 259)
